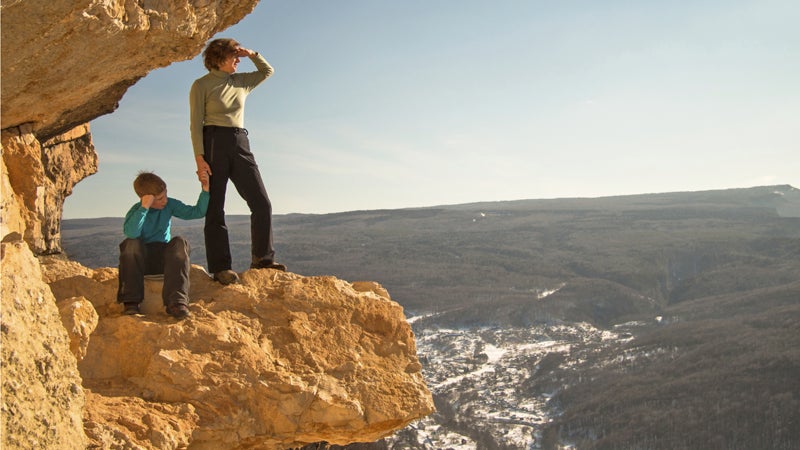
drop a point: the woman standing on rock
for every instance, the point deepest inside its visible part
(222, 151)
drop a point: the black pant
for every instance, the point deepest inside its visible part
(227, 152)
(137, 259)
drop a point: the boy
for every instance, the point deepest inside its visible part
(149, 249)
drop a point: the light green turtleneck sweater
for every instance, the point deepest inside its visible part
(218, 99)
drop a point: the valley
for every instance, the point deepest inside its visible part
(653, 321)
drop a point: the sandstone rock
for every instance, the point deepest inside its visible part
(278, 361)
(12, 223)
(56, 267)
(370, 286)
(40, 176)
(66, 62)
(42, 398)
(120, 422)
(80, 320)
(22, 167)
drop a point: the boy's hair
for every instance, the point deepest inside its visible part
(148, 183)
(218, 51)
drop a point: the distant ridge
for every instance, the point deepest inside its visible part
(666, 247)
(783, 195)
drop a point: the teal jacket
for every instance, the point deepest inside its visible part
(153, 225)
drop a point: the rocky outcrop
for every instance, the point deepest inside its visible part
(42, 397)
(40, 176)
(66, 62)
(278, 361)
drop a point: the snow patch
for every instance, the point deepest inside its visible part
(546, 293)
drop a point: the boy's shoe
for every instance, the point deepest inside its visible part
(226, 277)
(131, 308)
(265, 264)
(178, 311)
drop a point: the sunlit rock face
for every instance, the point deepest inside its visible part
(39, 176)
(277, 361)
(66, 62)
(42, 397)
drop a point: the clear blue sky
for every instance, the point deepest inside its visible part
(391, 104)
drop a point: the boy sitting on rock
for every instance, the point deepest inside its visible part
(149, 249)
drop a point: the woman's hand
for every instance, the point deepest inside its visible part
(203, 169)
(241, 51)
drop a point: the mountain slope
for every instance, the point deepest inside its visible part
(721, 374)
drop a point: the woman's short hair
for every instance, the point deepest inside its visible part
(148, 183)
(217, 51)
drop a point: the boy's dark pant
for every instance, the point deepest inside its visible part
(227, 152)
(137, 259)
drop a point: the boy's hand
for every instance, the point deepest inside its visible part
(147, 201)
(203, 180)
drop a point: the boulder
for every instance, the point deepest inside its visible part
(42, 397)
(277, 361)
(66, 62)
(80, 320)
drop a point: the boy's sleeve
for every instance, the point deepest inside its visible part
(134, 221)
(186, 212)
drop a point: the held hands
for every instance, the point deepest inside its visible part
(203, 171)
(203, 177)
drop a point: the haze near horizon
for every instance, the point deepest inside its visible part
(384, 105)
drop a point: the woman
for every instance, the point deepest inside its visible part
(222, 152)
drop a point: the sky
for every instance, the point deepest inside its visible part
(379, 104)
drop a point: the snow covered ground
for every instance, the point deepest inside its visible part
(487, 381)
